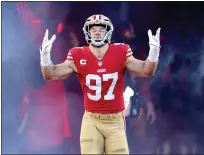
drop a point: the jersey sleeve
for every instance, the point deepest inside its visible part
(74, 53)
(127, 50)
(70, 55)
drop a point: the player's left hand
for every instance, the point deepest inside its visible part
(151, 115)
(154, 40)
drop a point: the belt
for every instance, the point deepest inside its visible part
(105, 116)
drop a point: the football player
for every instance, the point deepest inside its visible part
(100, 68)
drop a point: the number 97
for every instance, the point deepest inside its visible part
(98, 86)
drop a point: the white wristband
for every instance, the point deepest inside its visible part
(45, 60)
(153, 55)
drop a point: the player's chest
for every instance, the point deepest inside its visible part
(90, 65)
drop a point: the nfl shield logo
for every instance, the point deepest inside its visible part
(99, 63)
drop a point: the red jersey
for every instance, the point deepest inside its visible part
(102, 80)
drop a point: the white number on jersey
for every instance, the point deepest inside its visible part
(98, 86)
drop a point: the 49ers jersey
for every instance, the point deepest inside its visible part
(102, 80)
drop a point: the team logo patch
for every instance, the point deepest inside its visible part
(100, 63)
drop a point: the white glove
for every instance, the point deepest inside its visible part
(45, 49)
(154, 44)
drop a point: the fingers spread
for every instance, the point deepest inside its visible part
(45, 39)
(158, 34)
(52, 39)
(149, 33)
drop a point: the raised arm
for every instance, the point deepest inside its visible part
(148, 67)
(49, 70)
(59, 71)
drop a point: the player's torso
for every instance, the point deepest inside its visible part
(102, 80)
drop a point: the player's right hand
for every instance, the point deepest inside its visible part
(45, 49)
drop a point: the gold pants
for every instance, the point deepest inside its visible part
(103, 133)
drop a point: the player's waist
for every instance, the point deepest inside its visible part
(105, 107)
(111, 116)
